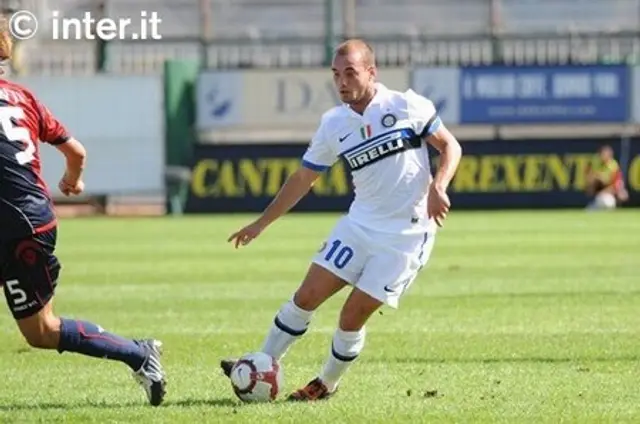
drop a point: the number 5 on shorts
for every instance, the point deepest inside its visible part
(18, 296)
(343, 256)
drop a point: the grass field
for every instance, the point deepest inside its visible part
(520, 317)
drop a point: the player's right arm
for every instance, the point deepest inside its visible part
(295, 188)
(318, 158)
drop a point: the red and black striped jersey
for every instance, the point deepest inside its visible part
(26, 206)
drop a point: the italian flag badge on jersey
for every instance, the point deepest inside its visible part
(365, 132)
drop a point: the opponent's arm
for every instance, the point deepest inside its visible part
(53, 132)
(297, 186)
(75, 155)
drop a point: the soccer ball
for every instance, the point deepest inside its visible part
(256, 377)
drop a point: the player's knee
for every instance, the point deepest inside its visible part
(304, 300)
(41, 332)
(317, 287)
(353, 317)
(308, 297)
(350, 321)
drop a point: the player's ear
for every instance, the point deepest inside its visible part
(373, 73)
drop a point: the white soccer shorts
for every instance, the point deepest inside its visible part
(380, 264)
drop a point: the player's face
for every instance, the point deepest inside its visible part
(352, 77)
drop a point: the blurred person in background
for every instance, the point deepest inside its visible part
(605, 182)
(16, 64)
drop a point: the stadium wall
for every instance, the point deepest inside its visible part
(528, 133)
(121, 122)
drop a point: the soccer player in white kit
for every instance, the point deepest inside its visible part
(387, 236)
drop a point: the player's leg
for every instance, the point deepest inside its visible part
(293, 319)
(349, 338)
(346, 345)
(386, 277)
(338, 263)
(30, 279)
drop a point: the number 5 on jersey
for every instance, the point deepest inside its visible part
(15, 133)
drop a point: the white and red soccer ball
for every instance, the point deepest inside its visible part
(256, 377)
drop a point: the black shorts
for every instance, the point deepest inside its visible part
(29, 272)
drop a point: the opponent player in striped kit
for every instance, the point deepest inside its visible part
(29, 268)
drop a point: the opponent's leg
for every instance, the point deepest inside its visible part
(31, 278)
(348, 342)
(44, 330)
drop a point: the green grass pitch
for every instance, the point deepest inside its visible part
(519, 317)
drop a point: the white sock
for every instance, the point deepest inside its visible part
(345, 348)
(290, 323)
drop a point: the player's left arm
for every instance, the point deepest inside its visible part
(76, 156)
(438, 202)
(429, 126)
(450, 153)
(53, 132)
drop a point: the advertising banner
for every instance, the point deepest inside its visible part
(442, 87)
(492, 175)
(218, 99)
(635, 97)
(536, 173)
(273, 98)
(539, 94)
(246, 177)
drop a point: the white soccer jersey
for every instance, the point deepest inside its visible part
(388, 159)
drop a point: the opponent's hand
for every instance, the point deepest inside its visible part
(68, 187)
(438, 204)
(247, 234)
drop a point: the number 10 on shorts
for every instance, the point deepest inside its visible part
(339, 254)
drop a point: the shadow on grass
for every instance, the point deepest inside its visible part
(180, 403)
(66, 406)
(188, 403)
